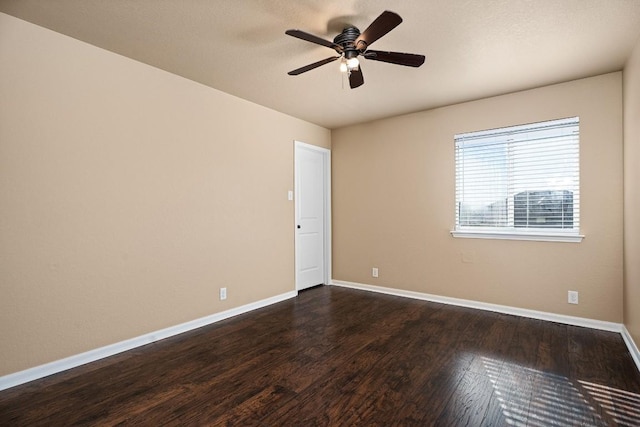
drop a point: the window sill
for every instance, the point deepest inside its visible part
(513, 235)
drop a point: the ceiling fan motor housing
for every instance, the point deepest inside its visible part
(347, 39)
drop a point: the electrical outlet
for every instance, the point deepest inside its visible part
(374, 271)
(573, 297)
(223, 294)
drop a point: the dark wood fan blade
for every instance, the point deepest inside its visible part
(356, 78)
(408, 59)
(314, 39)
(384, 23)
(312, 66)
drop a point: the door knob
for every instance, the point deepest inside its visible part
(299, 226)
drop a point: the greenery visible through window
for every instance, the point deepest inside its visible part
(520, 180)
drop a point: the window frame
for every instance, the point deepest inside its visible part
(572, 235)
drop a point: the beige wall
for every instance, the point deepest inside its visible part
(631, 84)
(129, 196)
(393, 206)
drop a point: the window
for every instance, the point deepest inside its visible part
(520, 182)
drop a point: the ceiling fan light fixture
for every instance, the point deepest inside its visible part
(343, 65)
(353, 63)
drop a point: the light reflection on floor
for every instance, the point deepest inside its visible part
(623, 406)
(530, 397)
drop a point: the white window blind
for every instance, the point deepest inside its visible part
(519, 181)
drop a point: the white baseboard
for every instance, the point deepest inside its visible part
(41, 371)
(631, 345)
(533, 314)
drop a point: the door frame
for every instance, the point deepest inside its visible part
(326, 194)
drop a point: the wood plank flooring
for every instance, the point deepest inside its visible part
(341, 357)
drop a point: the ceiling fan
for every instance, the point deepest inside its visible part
(351, 43)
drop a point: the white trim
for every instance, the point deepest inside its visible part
(631, 345)
(533, 314)
(511, 235)
(327, 209)
(41, 371)
(328, 251)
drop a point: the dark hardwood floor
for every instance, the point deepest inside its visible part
(342, 357)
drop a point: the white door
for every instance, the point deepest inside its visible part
(311, 201)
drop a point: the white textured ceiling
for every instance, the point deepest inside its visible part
(474, 48)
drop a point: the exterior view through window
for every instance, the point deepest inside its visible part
(519, 181)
